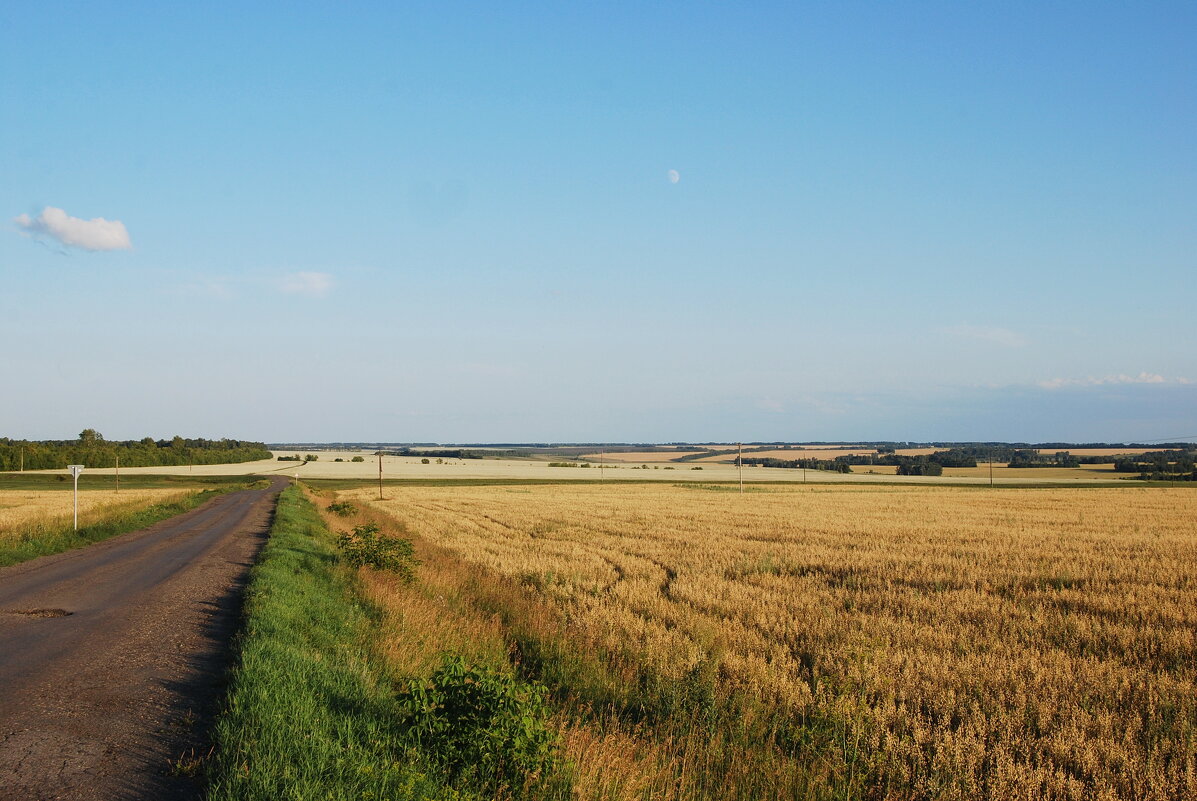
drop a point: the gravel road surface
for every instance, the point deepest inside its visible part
(112, 657)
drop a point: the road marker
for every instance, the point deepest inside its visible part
(76, 469)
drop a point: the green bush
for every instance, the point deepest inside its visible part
(342, 508)
(486, 728)
(363, 546)
(358, 459)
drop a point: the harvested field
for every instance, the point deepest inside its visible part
(635, 457)
(956, 643)
(1002, 471)
(815, 453)
(25, 511)
(412, 467)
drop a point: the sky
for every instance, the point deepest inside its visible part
(622, 222)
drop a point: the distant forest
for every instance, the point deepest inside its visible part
(92, 450)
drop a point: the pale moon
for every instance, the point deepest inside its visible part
(674, 176)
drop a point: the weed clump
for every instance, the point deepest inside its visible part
(342, 508)
(364, 547)
(485, 728)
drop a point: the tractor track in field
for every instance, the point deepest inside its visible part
(113, 656)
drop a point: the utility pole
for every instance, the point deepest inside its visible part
(380, 475)
(602, 475)
(22, 459)
(740, 462)
(991, 468)
(118, 472)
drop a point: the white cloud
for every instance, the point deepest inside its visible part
(993, 334)
(95, 234)
(1110, 380)
(307, 283)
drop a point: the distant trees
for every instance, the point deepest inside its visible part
(840, 464)
(1161, 465)
(93, 450)
(920, 467)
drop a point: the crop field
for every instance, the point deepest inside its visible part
(643, 467)
(636, 457)
(895, 642)
(814, 453)
(23, 511)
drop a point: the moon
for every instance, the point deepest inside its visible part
(674, 176)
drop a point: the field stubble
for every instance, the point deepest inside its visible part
(933, 642)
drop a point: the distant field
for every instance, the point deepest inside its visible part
(896, 642)
(412, 467)
(25, 512)
(1002, 473)
(633, 457)
(815, 453)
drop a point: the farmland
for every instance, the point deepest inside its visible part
(650, 468)
(829, 641)
(23, 512)
(36, 508)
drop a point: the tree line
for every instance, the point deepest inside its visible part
(1161, 465)
(93, 450)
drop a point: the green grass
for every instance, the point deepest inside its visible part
(310, 713)
(313, 712)
(63, 537)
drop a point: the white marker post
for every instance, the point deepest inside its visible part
(76, 469)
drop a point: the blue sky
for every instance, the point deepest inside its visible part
(457, 222)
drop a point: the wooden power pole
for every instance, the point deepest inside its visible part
(380, 475)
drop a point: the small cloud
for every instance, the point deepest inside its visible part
(998, 336)
(674, 176)
(1111, 380)
(307, 283)
(94, 234)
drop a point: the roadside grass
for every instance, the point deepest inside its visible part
(309, 713)
(56, 535)
(313, 711)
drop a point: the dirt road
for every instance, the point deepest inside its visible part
(112, 656)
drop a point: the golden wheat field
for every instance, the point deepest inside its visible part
(23, 511)
(973, 644)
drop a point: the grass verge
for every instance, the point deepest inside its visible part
(314, 712)
(309, 713)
